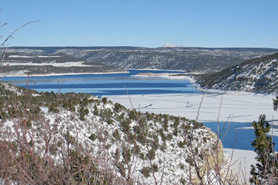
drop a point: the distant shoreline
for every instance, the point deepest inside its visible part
(164, 75)
(59, 74)
(19, 73)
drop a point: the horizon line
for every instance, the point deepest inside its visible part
(119, 46)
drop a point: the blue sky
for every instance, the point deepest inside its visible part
(146, 23)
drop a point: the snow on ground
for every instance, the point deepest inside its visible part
(241, 162)
(24, 74)
(22, 56)
(64, 64)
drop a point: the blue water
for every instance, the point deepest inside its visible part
(236, 135)
(115, 84)
(106, 84)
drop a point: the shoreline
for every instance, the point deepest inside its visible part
(61, 74)
(65, 74)
(149, 69)
(187, 76)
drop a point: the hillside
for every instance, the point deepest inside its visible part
(17, 64)
(190, 60)
(257, 75)
(73, 138)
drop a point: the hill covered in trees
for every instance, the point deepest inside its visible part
(76, 138)
(35, 63)
(190, 60)
(257, 75)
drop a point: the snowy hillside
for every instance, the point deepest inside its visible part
(258, 75)
(124, 145)
(190, 60)
(21, 64)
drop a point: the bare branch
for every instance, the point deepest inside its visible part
(11, 35)
(3, 25)
(198, 112)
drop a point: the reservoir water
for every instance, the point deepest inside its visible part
(117, 84)
(106, 84)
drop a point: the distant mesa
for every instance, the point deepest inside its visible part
(105, 59)
(168, 45)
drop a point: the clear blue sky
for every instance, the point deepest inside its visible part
(147, 23)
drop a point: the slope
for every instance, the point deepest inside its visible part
(190, 60)
(16, 64)
(258, 75)
(50, 137)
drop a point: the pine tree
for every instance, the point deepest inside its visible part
(275, 103)
(266, 169)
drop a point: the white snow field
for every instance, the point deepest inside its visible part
(240, 162)
(240, 107)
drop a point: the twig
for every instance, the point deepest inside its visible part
(200, 105)
(11, 35)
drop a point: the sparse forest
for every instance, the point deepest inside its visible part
(74, 138)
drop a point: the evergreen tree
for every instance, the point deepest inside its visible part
(266, 169)
(95, 110)
(104, 100)
(275, 103)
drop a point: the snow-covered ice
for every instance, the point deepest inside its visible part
(241, 162)
(242, 107)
